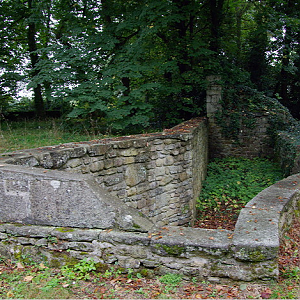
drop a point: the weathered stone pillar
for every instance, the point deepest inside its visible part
(213, 95)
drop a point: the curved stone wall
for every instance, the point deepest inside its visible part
(250, 252)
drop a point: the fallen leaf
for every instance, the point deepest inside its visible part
(20, 266)
(28, 278)
(10, 294)
(265, 295)
(42, 266)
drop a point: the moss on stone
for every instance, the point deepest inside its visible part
(174, 250)
(101, 268)
(59, 259)
(55, 263)
(64, 229)
(136, 226)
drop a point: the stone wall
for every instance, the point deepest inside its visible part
(254, 141)
(250, 252)
(118, 201)
(159, 174)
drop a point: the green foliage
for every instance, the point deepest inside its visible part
(79, 271)
(112, 272)
(171, 279)
(240, 103)
(130, 65)
(234, 181)
(292, 273)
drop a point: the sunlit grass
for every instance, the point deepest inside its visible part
(32, 134)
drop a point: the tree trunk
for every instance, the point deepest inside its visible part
(34, 58)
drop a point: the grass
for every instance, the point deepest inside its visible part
(17, 135)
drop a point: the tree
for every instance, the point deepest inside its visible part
(130, 64)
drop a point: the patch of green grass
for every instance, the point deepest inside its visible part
(31, 283)
(19, 135)
(232, 182)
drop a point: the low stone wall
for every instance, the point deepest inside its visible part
(119, 201)
(38, 197)
(250, 252)
(159, 174)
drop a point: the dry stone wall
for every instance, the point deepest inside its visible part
(250, 252)
(254, 141)
(159, 174)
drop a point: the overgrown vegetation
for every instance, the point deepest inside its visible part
(232, 182)
(30, 134)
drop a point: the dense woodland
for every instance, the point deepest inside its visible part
(134, 64)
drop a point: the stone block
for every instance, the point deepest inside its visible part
(169, 160)
(77, 152)
(113, 179)
(129, 152)
(129, 160)
(57, 198)
(98, 149)
(108, 163)
(73, 163)
(160, 162)
(134, 174)
(97, 166)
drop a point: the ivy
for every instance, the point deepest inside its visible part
(241, 104)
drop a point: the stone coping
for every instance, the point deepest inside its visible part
(264, 219)
(182, 131)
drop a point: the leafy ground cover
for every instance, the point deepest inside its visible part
(85, 280)
(230, 184)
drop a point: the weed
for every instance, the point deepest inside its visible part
(142, 292)
(292, 273)
(112, 273)
(80, 271)
(131, 274)
(52, 239)
(171, 279)
(284, 292)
